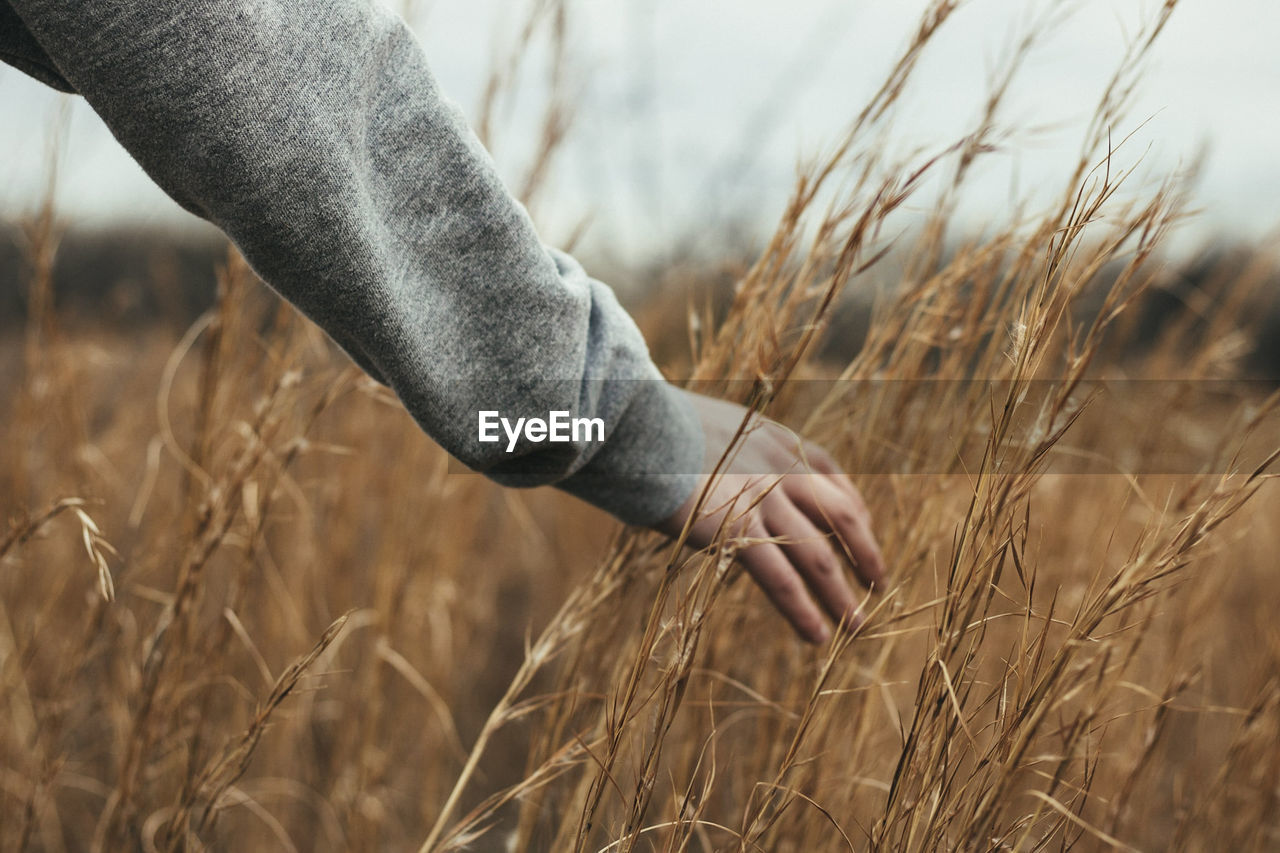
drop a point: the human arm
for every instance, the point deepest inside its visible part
(314, 135)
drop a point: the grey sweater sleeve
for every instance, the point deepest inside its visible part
(313, 134)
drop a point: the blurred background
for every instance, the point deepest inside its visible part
(688, 118)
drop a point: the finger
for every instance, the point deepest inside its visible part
(824, 463)
(831, 509)
(775, 575)
(810, 551)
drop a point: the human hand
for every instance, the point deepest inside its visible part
(798, 516)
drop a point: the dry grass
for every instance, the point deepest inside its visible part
(245, 605)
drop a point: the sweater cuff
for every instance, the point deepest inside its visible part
(652, 461)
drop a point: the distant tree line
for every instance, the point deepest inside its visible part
(123, 278)
(133, 278)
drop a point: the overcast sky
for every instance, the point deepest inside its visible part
(694, 112)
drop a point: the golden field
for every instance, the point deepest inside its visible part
(246, 605)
